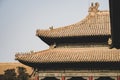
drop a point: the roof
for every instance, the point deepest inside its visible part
(96, 23)
(58, 55)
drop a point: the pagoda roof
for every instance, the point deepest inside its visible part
(71, 55)
(96, 23)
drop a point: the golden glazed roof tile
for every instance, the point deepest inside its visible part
(94, 24)
(102, 54)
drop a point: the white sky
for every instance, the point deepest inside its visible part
(19, 20)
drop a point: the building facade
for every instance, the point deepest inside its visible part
(79, 51)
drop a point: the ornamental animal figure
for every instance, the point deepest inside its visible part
(94, 7)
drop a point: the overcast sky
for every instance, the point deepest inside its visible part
(19, 20)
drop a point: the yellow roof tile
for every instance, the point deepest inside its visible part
(97, 24)
(101, 54)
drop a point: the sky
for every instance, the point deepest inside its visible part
(19, 20)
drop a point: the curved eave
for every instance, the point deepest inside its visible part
(93, 25)
(73, 33)
(76, 39)
(71, 55)
(75, 65)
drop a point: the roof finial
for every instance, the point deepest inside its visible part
(94, 8)
(53, 46)
(51, 28)
(92, 4)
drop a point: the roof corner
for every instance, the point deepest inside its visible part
(93, 8)
(37, 32)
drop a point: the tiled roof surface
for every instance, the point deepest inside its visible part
(100, 54)
(94, 24)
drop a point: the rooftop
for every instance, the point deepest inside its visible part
(96, 23)
(57, 55)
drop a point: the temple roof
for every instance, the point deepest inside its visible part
(58, 55)
(95, 26)
(96, 23)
